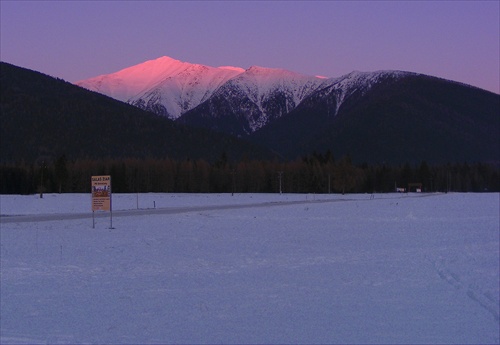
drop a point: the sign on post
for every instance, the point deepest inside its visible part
(101, 196)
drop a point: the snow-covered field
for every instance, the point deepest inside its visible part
(205, 268)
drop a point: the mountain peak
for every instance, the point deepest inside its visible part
(174, 85)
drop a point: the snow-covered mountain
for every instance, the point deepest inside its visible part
(228, 99)
(260, 96)
(170, 87)
(165, 86)
(252, 100)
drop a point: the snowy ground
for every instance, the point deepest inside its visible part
(417, 268)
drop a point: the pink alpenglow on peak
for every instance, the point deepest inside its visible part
(172, 87)
(132, 80)
(178, 86)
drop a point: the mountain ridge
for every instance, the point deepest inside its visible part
(252, 97)
(170, 87)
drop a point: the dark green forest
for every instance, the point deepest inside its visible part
(316, 173)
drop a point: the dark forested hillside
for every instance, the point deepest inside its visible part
(411, 119)
(45, 118)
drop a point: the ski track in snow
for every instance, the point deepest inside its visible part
(472, 289)
(256, 268)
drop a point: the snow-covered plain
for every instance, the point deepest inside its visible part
(205, 268)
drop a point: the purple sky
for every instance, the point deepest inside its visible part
(457, 40)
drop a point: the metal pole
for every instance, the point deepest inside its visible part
(232, 190)
(329, 185)
(41, 181)
(280, 173)
(110, 205)
(110, 210)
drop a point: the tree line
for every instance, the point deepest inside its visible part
(315, 173)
